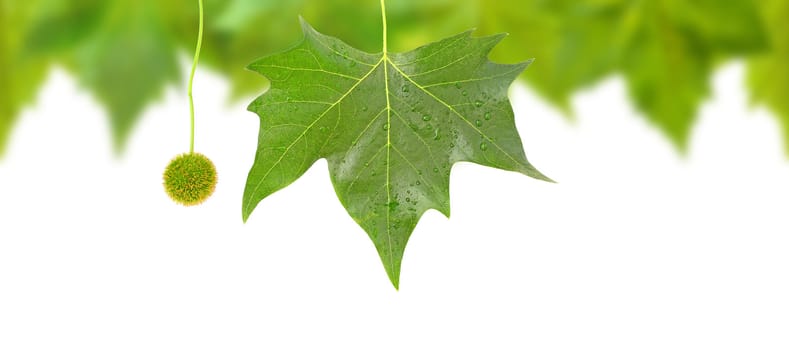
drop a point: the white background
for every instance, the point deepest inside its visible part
(637, 247)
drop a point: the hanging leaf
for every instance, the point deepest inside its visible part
(665, 50)
(390, 125)
(20, 76)
(768, 74)
(123, 52)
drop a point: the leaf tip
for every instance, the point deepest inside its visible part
(393, 271)
(532, 172)
(445, 210)
(395, 283)
(246, 211)
(306, 28)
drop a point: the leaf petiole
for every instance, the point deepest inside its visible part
(383, 17)
(192, 78)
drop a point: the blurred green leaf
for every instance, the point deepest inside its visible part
(391, 125)
(665, 50)
(119, 50)
(127, 61)
(574, 43)
(768, 75)
(672, 55)
(20, 77)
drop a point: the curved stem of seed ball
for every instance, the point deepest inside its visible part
(383, 16)
(192, 78)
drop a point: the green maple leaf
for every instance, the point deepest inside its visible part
(768, 75)
(390, 125)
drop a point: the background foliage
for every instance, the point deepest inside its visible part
(125, 52)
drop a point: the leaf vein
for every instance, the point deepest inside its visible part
(278, 161)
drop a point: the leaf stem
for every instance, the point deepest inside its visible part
(383, 16)
(192, 78)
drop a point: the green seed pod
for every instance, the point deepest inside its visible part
(190, 179)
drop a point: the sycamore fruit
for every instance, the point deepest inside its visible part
(190, 179)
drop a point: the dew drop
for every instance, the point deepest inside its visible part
(366, 164)
(451, 145)
(457, 85)
(435, 170)
(419, 183)
(479, 103)
(426, 117)
(487, 115)
(464, 93)
(386, 126)
(364, 108)
(323, 129)
(483, 146)
(352, 64)
(436, 136)
(478, 122)
(405, 88)
(429, 127)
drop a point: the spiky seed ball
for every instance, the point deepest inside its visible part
(190, 179)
